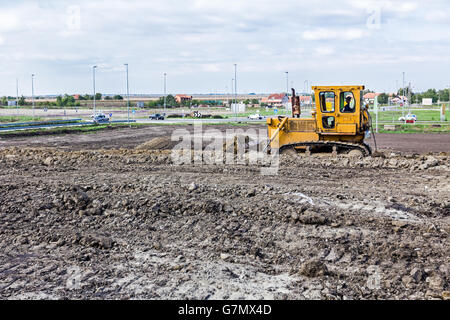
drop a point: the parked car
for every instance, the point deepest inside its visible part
(156, 116)
(255, 116)
(100, 118)
(408, 117)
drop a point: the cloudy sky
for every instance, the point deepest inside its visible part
(196, 42)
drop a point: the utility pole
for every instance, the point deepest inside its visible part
(308, 92)
(287, 82)
(165, 74)
(305, 85)
(128, 95)
(226, 93)
(409, 98)
(287, 92)
(403, 96)
(233, 103)
(32, 92)
(93, 72)
(235, 87)
(17, 96)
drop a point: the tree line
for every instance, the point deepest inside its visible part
(435, 95)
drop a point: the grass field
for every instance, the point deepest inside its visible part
(417, 128)
(6, 119)
(422, 115)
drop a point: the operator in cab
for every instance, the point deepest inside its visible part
(347, 107)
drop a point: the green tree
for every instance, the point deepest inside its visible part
(59, 101)
(383, 98)
(98, 96)
(443, 95)
(118, 97)
(22, 101)
(416, 98)
(170, 100)
(431, 93)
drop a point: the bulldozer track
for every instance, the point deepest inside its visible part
(364, 148)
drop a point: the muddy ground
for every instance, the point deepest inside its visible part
(81, 218)
(129, 138)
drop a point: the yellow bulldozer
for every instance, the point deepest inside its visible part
(338, 124)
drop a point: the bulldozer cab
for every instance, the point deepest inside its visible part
(338, 109)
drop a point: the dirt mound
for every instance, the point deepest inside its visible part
(160, 143)
(244, 143)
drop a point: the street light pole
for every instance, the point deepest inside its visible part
(165, 74)
(235, 89)
(233, 104)
(287, 83)
(287, 91)
(305, 85)
(128, 95)
(17, 96)
(308, 92)
(403, 96)
(32, 92)
(226, 93)
(93, 72)
(232, 91)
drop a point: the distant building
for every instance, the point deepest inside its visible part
(12, 103)
(399, 99)
(179, 98)
(276, 99)
(305, 100)
(76, 96)
(370, 97)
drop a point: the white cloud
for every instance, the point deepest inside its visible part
(400, 6)
(198, 41)
(324, 50)
(437, 16)
(334, 34)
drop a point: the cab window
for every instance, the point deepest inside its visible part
(347, 102)
(328, 122)
(326, 101)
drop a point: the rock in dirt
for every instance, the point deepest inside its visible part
(313, 268)
(312, 217)
(435, 282)
(192, 187)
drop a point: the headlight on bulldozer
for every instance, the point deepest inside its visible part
(269, 121)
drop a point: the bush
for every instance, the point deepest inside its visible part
(175, 116)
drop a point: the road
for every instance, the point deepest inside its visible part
(172, 121)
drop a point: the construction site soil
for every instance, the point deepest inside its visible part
(105, 216)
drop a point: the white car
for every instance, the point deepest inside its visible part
(100, 118)
(255, 116)
(408, 117)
